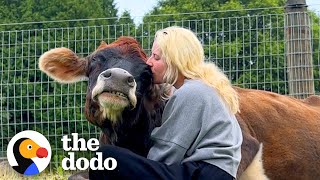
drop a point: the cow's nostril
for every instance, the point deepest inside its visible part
(130, 80)
(107, 74)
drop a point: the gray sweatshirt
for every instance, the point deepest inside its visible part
(197, 126)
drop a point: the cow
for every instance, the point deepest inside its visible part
(289, 130)
(281, 135)
(121, 98)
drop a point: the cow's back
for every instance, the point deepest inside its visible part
(289, 130)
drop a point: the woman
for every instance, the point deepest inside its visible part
(199, 137)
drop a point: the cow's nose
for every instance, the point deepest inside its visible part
(118, 75)
(106, 74)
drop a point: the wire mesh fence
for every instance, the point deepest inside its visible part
(252, 49)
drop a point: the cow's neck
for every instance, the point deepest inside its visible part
(135, 128)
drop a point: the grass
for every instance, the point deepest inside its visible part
(7, 173)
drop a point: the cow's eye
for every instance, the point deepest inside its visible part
(98, 59)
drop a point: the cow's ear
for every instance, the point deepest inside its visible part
(102, 45)
(63, 65)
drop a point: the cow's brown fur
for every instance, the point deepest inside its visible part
(127, 45)
(63, 65)
(289, 130)
(312, 100)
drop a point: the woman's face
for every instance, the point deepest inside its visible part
(157, 63)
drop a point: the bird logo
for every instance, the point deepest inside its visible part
(29, 153)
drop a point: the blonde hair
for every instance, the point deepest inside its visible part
(183, 52)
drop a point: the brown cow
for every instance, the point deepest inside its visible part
(121, 99)
(289, 130)
(281, 134)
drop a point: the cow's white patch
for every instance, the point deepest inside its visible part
(112, 114)
(112, 106)
(132, 96)
(98, 88)
(255, 170)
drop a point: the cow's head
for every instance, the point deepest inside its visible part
(118, 78)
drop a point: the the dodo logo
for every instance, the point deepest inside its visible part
(29, 152)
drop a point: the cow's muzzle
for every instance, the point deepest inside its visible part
(115, 89)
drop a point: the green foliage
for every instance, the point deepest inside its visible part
(316, 49)
(42, 10)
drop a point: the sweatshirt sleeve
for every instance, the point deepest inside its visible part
(166, 152)
(181, 125)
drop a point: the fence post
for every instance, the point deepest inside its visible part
(298, 49)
